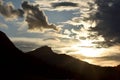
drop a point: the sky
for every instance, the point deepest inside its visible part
(86, 29)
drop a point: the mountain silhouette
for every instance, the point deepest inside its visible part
(44, 64)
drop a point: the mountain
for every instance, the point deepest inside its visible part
(16, 65)
(44, 64)
(79, 70)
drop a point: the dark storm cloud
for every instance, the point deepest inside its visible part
(8, 11)
(107, 18)
(36, 18)
(59, 4)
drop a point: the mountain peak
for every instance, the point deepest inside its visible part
(44, 49)
(44, 64)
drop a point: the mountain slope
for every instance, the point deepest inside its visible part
(16, 65)
(44, 64)
(80, 70)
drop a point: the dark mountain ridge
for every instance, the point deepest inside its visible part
(44, 64)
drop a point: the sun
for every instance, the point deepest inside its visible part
(87, 49)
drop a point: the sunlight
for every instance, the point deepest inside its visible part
(91, 52)
(86, 43)
(86, 48)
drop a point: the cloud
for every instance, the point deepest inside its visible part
(36, 18)
(57, 5)
(109, 56)
(57, 44)
(3, 26)
(107, 20)
(75, 21)
(8, 11)
(22, 26)
(65, 4)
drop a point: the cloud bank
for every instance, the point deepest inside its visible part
(107, 20)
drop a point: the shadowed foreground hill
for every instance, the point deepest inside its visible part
(44, 64)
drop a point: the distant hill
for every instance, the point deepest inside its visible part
(44, 64)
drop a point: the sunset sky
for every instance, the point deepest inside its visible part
(86, 29)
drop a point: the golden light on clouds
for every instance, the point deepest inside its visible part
(91, 52)
(87, 48)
